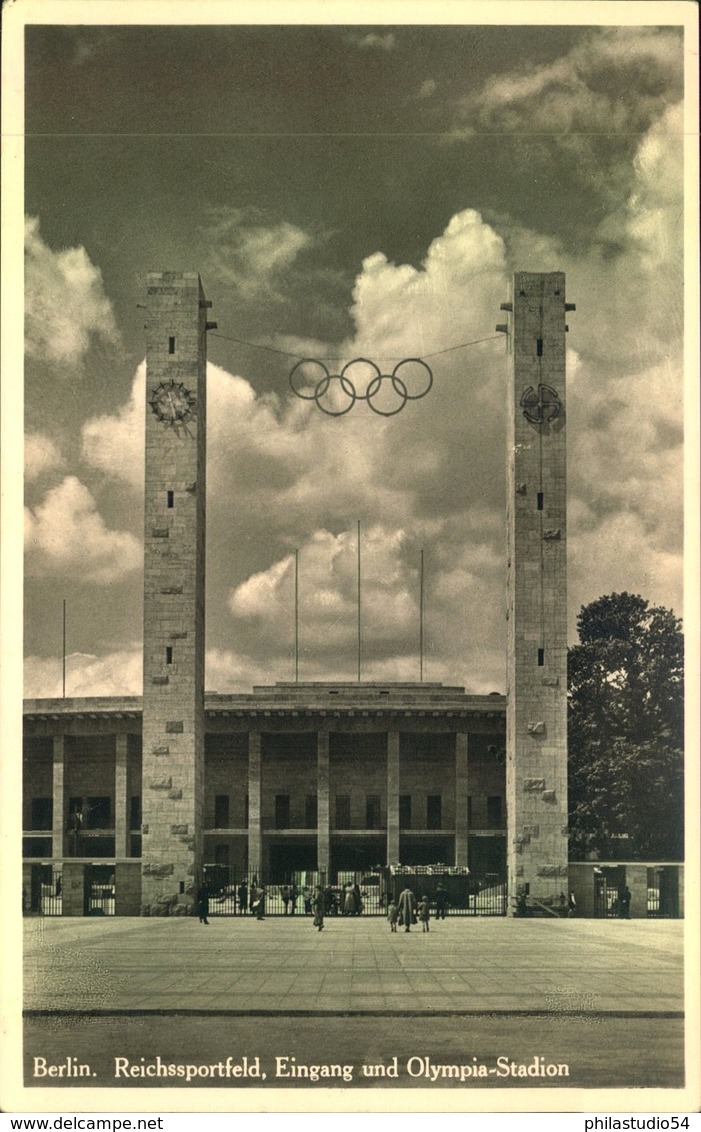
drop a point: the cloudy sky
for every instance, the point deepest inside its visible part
(346, 191)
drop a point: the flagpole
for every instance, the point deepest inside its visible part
(421, 620)
(359, 623)
(63, 649)
(296, 616)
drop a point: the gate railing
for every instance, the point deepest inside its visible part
(230, 893)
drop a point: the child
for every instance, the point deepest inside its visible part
(392, 915)
(424, 913)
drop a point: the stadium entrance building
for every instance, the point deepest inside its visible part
(298, 777)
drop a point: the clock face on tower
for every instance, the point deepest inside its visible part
(172, 402)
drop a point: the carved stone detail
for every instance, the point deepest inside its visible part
(533, 785)
(150, 870)
(164, 783)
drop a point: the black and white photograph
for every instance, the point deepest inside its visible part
(350, 556)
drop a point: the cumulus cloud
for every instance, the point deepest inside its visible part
(250, 254)
(456, 585)
(375, 40)
(66, 534)
(41, 455)
(114, 442)
(282, 475)
(427, 89)
(615, 82)
(65, 303)
(118, 673)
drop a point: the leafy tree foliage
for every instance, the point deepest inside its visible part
(625, 730)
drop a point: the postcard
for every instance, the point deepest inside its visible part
(350, 358)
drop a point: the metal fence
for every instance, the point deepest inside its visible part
(231, 892)
(45, 894)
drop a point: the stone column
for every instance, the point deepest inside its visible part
(392, 797)
(323, 807)
(174, 590)
(636, 879)
(255, 842)
(461, 789)
(121, 823)
(58, 803)
(536, 716)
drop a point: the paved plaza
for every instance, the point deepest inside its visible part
(604, 997)
(283, 965)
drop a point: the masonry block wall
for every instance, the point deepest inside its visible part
(174, 578)
(536, 771)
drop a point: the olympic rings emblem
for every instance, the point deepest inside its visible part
(326, 395)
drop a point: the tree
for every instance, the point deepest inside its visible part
(626, 730)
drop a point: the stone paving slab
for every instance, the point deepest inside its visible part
(462, 965)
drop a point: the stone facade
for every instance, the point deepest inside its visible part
(174, 579)
(324, 775)
(536, 728)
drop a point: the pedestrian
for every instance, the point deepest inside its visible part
(203, 904)
(318, 903)
(285, 894)
(424, 913)
(348, 901)
(392, 915)
(330, 901)
(571, 906)
(407, 908)
(252, 896)
(357, 900)
(441, 901)
(294, 895)
(624, 897)
(308, 898)
(258, 905)
(243, 898)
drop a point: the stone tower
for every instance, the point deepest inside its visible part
(174, 586)
(536, 722)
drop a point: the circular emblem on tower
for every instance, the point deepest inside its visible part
(541, 406)
(172, 402)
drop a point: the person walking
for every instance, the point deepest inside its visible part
(294, 896)
(441, 901)
(392, 915)
(624, 897)
(318, 903)
(348, 900)
(424, 914)
(357, 900)
(259, 902)
(285, 894)
(203, 904)
(243, 898)
(407, 908)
